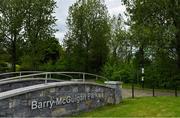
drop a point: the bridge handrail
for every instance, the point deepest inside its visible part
(60, 73)
(31, 75)
(83, 73)
(19, 72)
(23, 76)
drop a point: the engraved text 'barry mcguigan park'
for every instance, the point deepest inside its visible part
(65, 100)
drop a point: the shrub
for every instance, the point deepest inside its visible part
(119, 71)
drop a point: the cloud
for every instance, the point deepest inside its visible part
(60, 36)
(61, 12)
(115, 7)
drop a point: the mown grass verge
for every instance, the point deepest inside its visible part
(139, 107)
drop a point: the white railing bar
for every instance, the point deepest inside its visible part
(44, 73)
(19, 72)
(24, 76)
(62, 74)
(82, 73)
(31, 75)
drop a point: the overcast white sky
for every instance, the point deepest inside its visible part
(114, 7)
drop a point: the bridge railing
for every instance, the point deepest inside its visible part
(48, 75)
(14, 74)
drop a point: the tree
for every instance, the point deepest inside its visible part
(11, 21)
(89, 31)
(120, 43)
(161, 19)
(39, 26)
(25, 25)
(119, 65)
(155, 30)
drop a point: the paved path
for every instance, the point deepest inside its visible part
(140, 93)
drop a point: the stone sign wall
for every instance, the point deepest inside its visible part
(55, 99)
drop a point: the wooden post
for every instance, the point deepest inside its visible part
(176, 91)
(132, 89)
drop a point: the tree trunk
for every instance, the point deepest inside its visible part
(178, 48)
(175, 16)
(177, 25)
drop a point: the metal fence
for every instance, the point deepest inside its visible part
(140, 91)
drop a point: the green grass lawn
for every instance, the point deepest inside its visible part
(139, 107)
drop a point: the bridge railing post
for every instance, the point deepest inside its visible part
(46, 78)
(50, 75)
(83, 77)
(19, 75)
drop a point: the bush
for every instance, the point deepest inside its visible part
(4, 67)
(119, 71)
(26, 63)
